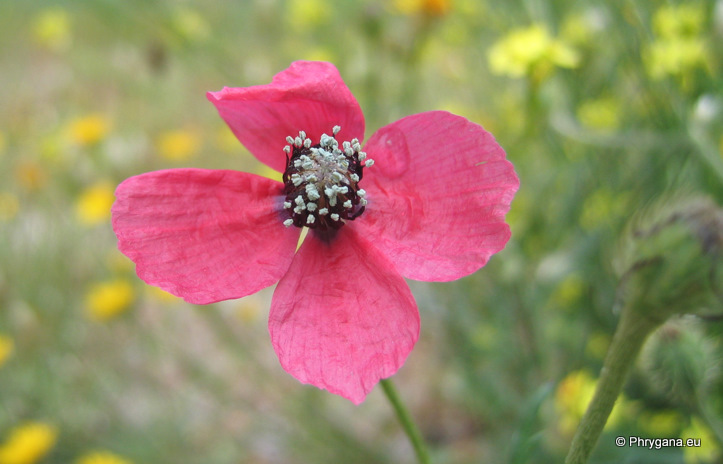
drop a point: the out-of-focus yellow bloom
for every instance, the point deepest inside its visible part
(318, 54)
(708, 451)
(678, 21)
(304, 13)
(190, 24)
(426, 7)
(51, 29)
(602, 114)
(93, 205)
(675, 56)
(28, 443)
(88, 130)
(106, 300)
(101, 457)
(9, 206)
(30, 175)
(572, 396)
(660, 424)
(530, 51)
(6, 348)
(178, 145)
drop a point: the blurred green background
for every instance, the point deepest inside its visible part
(602, 107)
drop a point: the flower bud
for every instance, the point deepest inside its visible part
(669, 261)
(679, 361)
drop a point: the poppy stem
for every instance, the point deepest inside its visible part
(630, 335)
(415, 437)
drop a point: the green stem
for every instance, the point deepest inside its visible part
(406, 420)
(632, 331)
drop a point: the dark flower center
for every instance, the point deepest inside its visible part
(321, 181)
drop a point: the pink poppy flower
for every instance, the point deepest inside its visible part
(342, 317)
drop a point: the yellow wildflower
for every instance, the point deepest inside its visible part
(678, 21)
(664, 423)
(675, 56)
(178, 145)
(304, 13)
(572, 396)
(28, 443)
(105, 300)
(9, 206)
(51, 29)
(6, 348)
(93, 205)
(530, 51)
(101, 457)
(705, 448)
(602, 114)
(89, 130)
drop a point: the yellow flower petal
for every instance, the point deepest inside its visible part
(88, 130)
(106, 300)
(101, 457)
(28, 443)
(6, 348)
(178, 145)
(51, 29)
(93, 205)
(678, 21)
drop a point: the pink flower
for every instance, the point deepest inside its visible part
(342, 317)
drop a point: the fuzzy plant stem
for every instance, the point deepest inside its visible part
(632, 331)
(406, 420)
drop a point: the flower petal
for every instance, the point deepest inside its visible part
(438, 194)
(308, 96)
(342, 318)
(204, 235)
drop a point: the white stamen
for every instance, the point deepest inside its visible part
(368, 163)
(361, 192)
(287, 204)
(336, 130)
(354, 177)
(323, 211)
(347, 204)
(310, 219)
(289, 222)
(287, 149)
(298, 142)
(307, 143)
(311, 206)
(334, 217)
